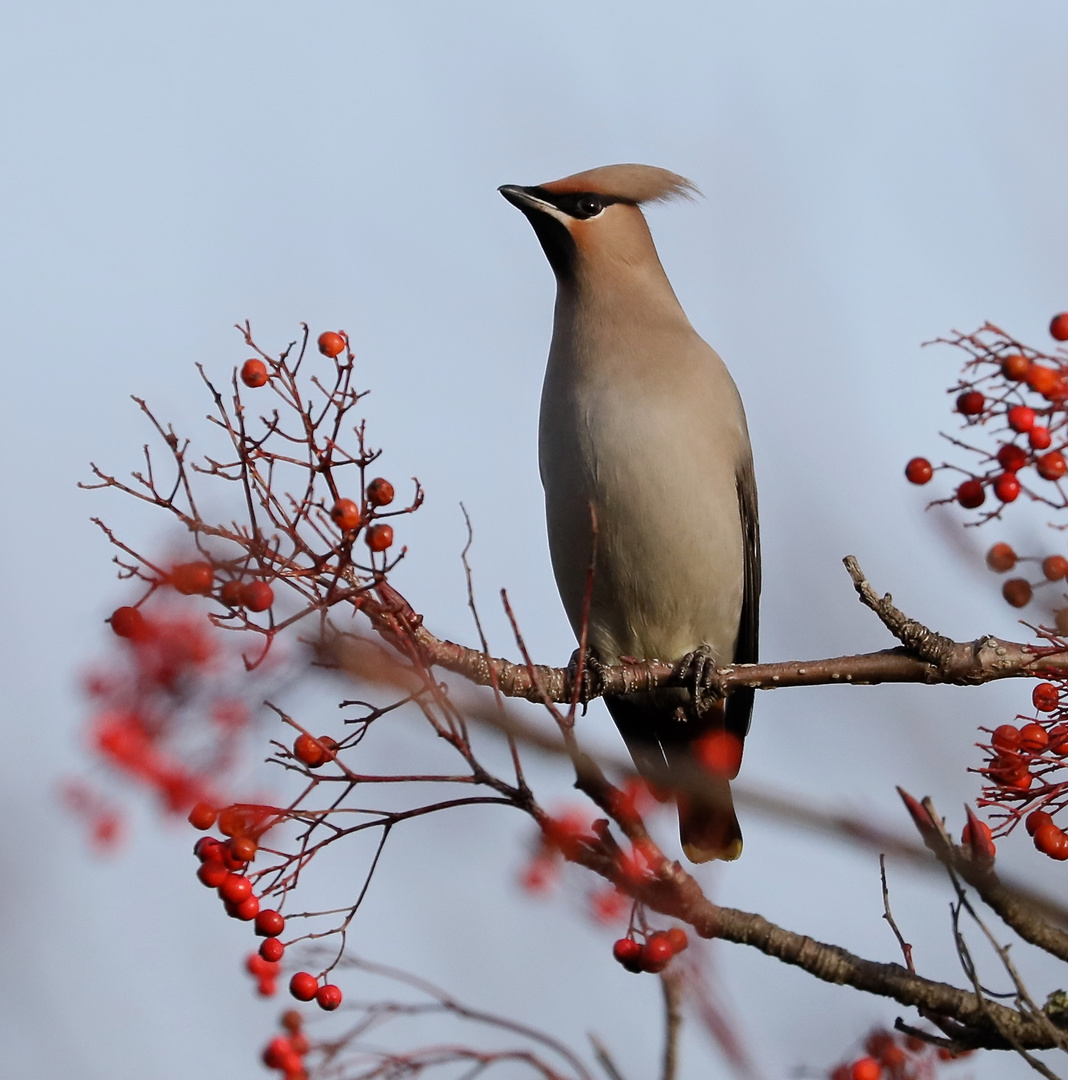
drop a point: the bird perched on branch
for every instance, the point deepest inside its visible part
(642, 431)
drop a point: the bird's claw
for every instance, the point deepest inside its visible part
(699, 670)
(592, 678)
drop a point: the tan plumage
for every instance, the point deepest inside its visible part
(641, 421)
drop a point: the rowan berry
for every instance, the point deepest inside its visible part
(1039, 438)
(876, 1043)
(1033, 738)
(257, 595)
(1007, 487)
(303, 986)
(1041, 379)
(212, 874)
(971, 403)
(628, 952)
(246, 911)
(1035, 820)
(1011, 771)
(1058, 326)
(971, 494)
(243, 848)
(677, 939)
(254, 373)
(128, 623)
(268, 988)
(720, 752)
(1011, 457)
(866, 1069)
(235, 888)
(1017, 592)
(292, 1021)
(269, 923)
(656, 952)
(1000, 558)
(1044, 697)
(276, 1051)
(379, 537)
(193, 579)
(327, 997)
(1021, 418)
(299, 1041)
(1015, 367)
(379, 492)
(1051, 466)
(208, 849)
(1005, 738)
(306, 749)
(1058, 740)
(331, 344)
(346, 515)
(231, 593)
(256, 965)
(1055, 567)
(271, 949)
(919, 471)
(202, 816)
(1052, 841)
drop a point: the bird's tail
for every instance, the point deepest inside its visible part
(708, 826)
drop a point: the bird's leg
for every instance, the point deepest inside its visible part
(592, 677)
(699, 669)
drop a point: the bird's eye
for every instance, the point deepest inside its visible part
(590, 205)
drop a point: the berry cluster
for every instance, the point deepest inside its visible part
(1021, 395)
(652, 955)
(895, 1057)
(1019, 591)
(286, 1052)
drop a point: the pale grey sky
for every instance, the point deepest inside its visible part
(875, 174)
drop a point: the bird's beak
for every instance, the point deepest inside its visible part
(524, 198)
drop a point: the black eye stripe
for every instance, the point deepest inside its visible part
(579, 205)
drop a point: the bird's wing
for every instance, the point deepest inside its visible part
(740, 702)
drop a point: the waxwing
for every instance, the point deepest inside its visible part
(642, 431)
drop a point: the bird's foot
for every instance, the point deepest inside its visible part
(699, 670)
(592, 678)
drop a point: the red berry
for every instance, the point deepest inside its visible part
(656, 952)
(1058, 740)
(292, 1021)
(1041, 379)
(276, 1051)
(231, 593)
(212, 874)
(1006, 738)
(1055, 567)
(1011, 771)
(628, 952)
(971, 403)
(202, 816)
(918, 471)
(677, 939)
(299, 1041)
(303, 986)
(866, 1069)
(1045, 698)
(256, 965)
(1021, 418)
(129, 623)
(254, 373)
(271, 950)
(208, 849)
(1000, 558)
(243, 848)
(257, 595)
(1051, 466)
(1017, 592)
(379, 537)
(1039, 438)
(971, 494)
(246, 911)
(193, 579)
(1007, 487)
(1058, 326)
(235, 888)
(379, 492)
(1015, 367)
(307, 749)
(1011, 457)
(1035, 820)
(346, 515)
(1033, 738)
(331, 344)
(327, 997)
(1052, 841)
(269, 923)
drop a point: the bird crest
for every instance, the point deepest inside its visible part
(629, 183)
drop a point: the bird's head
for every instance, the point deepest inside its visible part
(592, 220)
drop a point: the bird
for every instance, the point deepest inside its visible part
(647, 468)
